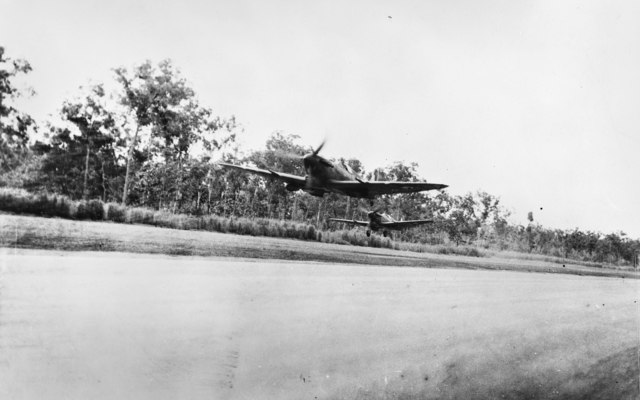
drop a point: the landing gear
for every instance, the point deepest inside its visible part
(368, 232)
(385, 233)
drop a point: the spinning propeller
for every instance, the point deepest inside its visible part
(372, 213)
(316, 157)
(307, 158)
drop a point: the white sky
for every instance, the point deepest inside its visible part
(537, 102)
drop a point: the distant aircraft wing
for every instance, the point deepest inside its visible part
(376, 188)
(349, 221)
(405, 224)
(288, 178)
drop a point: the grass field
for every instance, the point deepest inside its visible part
(17, 231)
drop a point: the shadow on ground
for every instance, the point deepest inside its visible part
(468, 377)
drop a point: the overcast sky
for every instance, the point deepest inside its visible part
(537, 102)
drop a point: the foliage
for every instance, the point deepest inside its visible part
(115, 212)
(92, 209)
(80, 159)
(14, 124)
(158, 99)
(21, 202)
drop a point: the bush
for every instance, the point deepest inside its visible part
(21, 202)
(96, 210)
(139, 216)
(116, 213)
(64, 207)
(92, 209)
(473, 252)
(311, 233)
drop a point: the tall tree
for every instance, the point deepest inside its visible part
(80, 160)
(161, 102)
(282, 153)
(138, 97)
(97, 131)
(14, 124)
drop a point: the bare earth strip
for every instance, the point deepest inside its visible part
(91, 325)
(53, 233)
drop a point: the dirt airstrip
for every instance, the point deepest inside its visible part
(80, 325)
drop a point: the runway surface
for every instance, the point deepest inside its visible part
(104, 326)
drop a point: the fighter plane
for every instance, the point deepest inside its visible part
(324, 176)
(378, 220)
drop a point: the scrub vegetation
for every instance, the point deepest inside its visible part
(143, 153)
(36, 232)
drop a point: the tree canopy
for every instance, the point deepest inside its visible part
(14, 124)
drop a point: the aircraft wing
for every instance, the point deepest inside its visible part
(375, 188)
(350, 221)
(405, 224)
(288, 178)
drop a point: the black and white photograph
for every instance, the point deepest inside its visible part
(322, 200)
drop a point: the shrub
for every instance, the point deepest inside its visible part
(43, 206)
(212, 223)
(96, 209)
(139, 216)
(473, 252)
(63, 207)
(311, 233)
(115, 212)
(81, 210)
(92, 209)
(157, 218)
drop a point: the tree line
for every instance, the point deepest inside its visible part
(144, 140)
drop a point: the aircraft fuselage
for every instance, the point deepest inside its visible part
(376, 220)
(321, 171)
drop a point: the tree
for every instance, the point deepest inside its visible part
(530, 237)
(80, 160)
(14, 125)
(97, 132)
(282, 153)
(161, 102)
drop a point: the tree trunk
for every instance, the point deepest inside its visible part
(319, 212)
(126, 175)
(178, 197)
(284, 207)
(295, 207)
(85, 191)
(209, 197)
(269, 203)
(104, 185)
(346, 214)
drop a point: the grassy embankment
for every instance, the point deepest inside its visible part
(22, 202)
(264, 241)
(24, 232)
